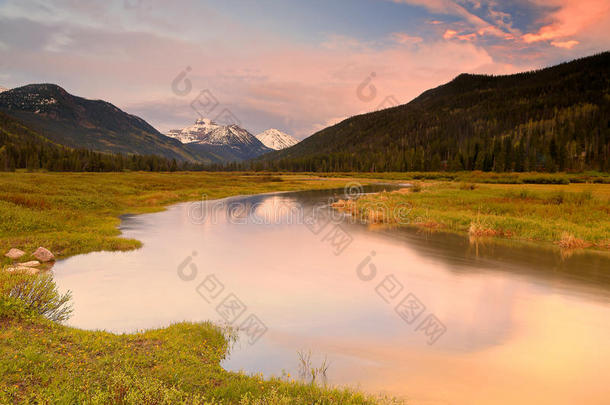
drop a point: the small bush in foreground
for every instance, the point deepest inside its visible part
(27, 295)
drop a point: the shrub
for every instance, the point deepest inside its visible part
(547, 179)
(27, 295)
(556, 198)
(467, 186)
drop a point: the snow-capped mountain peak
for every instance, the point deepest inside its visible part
(227, 140)
(276, 139)
(194, 133)
(228, 135)
(206, 131)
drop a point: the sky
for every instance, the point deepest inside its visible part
(295, 65)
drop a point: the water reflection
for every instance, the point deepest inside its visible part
(522, 323)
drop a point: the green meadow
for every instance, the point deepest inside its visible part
(571, 216)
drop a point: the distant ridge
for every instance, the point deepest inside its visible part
(556, 118)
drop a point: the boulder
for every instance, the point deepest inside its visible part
(14, 254)
(44, 255)
(32, 263)
(21, 269)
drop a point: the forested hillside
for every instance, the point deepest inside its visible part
(553, 119)
(95, 125)
(23, 148)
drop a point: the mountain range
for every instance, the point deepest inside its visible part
(557, 118)
(230, 142)
(227, 142)
(97, 125)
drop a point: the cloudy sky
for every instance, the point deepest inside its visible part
(295, 65)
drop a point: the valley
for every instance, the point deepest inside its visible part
(373, 202)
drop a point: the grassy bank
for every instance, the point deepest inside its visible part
(486, 177)
(571, 216)
(43, 362)
(72, 213)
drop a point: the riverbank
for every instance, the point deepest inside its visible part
(45, 362)
(75, 213)
(485, 177)
(571, 216)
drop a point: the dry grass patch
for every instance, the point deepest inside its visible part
(569, 241)
(605, 244)
(478, 230)
(429, 225)
(376, 216)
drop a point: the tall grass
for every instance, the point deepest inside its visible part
(572, 216)
(309, 373)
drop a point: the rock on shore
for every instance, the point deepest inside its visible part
(14, 254)
(44, 255)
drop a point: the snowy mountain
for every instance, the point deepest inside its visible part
(276, 139)
(229, 142)
(195, 132)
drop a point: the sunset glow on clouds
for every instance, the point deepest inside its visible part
(297, 66)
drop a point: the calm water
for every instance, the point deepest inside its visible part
(481, 323)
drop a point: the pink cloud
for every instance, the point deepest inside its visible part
(402, 38)
(449, 34)
(571, 18)
(467, 37)
(565, 44)
(571, 24)
(482, 27)
(327, 88)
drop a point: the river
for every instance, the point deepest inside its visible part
(432, 317)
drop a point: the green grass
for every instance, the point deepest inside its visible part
(42, 362)
(575, 215)
(486, 177)
(46, 363)
(72, 213)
